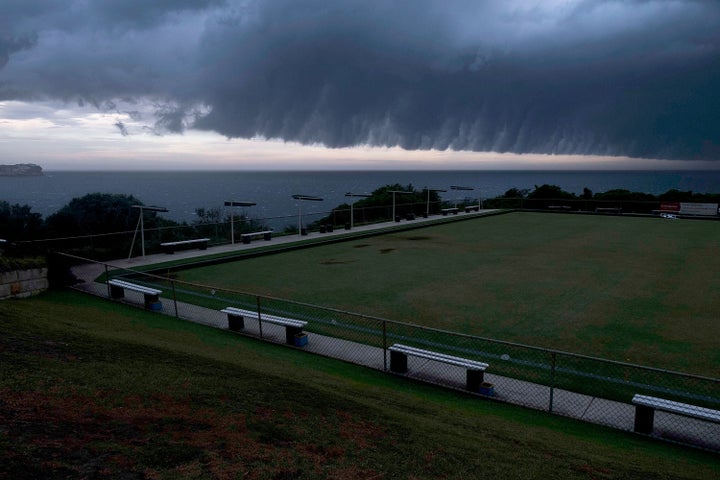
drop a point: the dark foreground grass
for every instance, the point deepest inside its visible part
(92, 389)
(637, 290)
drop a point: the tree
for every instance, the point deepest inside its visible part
(675, 195)
(207, 216)
(550, 192)
(97, 213)
(379, 204)
(18, 222)
(622, 194)
(515, 193)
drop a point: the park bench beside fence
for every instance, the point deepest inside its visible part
(591, 389)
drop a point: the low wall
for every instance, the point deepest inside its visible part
(23, 283)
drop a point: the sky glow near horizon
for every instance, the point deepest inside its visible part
(497, 85)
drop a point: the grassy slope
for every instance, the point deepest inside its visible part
(630, 289)
(90, 388)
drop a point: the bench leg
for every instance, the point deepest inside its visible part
(267, 236)
(203, 246)
(398, 362)
(644, 419)
(236, 322)
(290, 333)
(116, 292)
(474, 379)
(246, 240)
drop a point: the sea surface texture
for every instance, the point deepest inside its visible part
(182, 192)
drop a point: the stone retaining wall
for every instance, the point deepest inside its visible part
(23, 283)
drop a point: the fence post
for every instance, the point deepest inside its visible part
(259, 317)
(172, 283)
(553, 361)
(107, 280)
(384, 323)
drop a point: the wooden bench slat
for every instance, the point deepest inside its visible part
(680, 408)
(152, 300)
(292, 326)
(265, 317)
(169, 247)
(184, 242)
(475, 370)
(266, 234)
(441, 357)
(134, 287)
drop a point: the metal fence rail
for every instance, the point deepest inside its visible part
(586, 388)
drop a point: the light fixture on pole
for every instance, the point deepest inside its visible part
(456, 187)
(393, 208)
(232, 216)
(352, 202)
(427, 210)
(301, 198)
(141, 226)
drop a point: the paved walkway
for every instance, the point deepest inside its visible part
(592, 409)
(359, 231)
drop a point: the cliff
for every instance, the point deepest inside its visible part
(21, 169)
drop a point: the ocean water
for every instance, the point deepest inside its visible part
(182, 192)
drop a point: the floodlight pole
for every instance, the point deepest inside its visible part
(301, 198)
(352, 203)
(232, 227)
(393, 207)
(456, 187)
(141, 225)
(427, 208)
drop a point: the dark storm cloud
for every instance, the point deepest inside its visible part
(635, 77)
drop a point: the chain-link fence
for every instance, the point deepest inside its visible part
(149, 240)
(669, 405)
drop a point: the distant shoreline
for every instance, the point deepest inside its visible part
(21, 170)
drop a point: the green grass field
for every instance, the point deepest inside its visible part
(638, 290)
(95, 389)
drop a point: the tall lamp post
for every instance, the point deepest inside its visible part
(141, 226)
(399, 192)
(456, 187)
(232, 216)
(301, 198)
(352, 202)
(427, 209)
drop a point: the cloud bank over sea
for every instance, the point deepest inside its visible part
(636, 78)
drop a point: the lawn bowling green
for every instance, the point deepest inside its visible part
(638, 290)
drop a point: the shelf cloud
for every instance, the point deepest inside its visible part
(637, 78)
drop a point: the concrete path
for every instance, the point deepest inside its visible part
(574, 405)
(359, 231)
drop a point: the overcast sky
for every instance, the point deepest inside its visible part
(360, 84)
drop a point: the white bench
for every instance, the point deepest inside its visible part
(236, 321)
(615, 210)
(266, 234)
(645, 407)
(454, 211)
(470, 208)
(151, 295)
(475, 369)
(170, 247)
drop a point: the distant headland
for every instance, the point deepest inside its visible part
(20, 170)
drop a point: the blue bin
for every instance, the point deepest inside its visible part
(300, 339)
